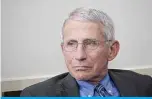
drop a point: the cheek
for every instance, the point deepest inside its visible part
(98, 58)
(68, 57)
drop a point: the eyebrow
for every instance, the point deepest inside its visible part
(90, 39)
(73, 40)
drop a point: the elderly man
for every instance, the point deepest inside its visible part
(88, 44)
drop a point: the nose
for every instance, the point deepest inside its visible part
(80, 54)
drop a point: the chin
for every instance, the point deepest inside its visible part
(79, 76)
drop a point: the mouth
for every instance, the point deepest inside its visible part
(82, 68)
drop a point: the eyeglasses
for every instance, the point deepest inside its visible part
(87, 44)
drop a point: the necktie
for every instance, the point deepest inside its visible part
(102, 91)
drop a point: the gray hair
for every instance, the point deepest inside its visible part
(88, 14)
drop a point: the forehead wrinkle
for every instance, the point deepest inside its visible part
(80, 26)
(86, 24)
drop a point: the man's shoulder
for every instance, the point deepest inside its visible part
(131, 75)
(41, 88)
(141, 84)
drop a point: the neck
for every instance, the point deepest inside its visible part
(96, 80)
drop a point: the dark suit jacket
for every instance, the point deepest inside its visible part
(128, 83)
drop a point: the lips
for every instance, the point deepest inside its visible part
(82, 68)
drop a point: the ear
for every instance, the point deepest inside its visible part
(113, 50)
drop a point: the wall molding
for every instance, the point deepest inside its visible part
(13, 84)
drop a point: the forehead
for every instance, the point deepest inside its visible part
(80, 30)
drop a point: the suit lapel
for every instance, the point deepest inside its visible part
(124, 85)
(69, 87)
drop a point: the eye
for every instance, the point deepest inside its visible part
(91, 42)
(71, 43)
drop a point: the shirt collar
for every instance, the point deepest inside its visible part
(105, 80)
(86, 86)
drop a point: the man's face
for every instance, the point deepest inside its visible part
(84, 63)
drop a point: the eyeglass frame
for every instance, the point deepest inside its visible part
(84, 45)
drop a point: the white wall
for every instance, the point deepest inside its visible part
(31, 34)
